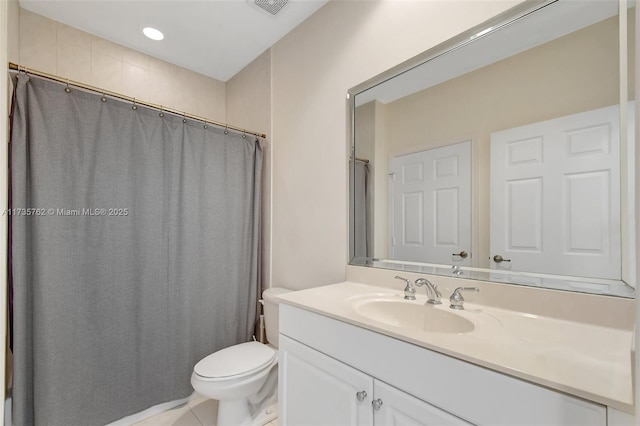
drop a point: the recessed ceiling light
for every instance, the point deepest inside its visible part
(153, 34)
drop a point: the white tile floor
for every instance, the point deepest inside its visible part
(199, 411)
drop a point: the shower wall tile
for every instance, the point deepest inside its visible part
(13, 31)
(212, 98)
(55, 48)
(100, 46)
(199, 81)
(183, 94)
(38, 42)
(135, 81)
(73, 53)
(73, 36)
(136, 58)
(106, 72)
(74, 62)
(161, 79)
(196, 84)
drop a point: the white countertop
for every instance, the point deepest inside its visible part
(588, 361)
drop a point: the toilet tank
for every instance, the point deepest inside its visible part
(271, 312)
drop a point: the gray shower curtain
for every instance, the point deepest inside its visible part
(363, 215)
(139, 256)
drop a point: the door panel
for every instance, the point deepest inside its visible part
(430, 216)
(413, 219)
(446, 225)
(586, 208)
(524, 205)
(555, 196)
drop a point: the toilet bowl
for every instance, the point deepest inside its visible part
(238, 375)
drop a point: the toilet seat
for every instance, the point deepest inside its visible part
(235, 362)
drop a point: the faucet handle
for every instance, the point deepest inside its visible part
(398, 277)
(456, 299)
(409, 290)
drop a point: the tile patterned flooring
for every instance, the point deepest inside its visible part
(199, 411)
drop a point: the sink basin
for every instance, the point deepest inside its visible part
(414, 316)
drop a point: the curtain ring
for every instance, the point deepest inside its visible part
(205, 124)
(184, 117)
(103, 98)
(67, 89)
(134, 106)
(161, 112)
(226, 129)
(244, 134)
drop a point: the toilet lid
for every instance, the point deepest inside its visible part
(235, 361)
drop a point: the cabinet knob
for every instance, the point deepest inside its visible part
(376, 403)
(361, 395)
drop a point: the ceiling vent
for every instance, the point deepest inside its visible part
(270, 6)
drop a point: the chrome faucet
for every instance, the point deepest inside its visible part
(409, 290)
(433, 295)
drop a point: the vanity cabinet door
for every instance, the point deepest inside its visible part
(315, 389)
(401, 409)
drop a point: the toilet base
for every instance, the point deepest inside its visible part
(266, 415)
(236, 413)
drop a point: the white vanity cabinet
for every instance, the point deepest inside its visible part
(319, 390)
(400, 409)
(325, 362)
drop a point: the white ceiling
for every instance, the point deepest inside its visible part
(213, 37)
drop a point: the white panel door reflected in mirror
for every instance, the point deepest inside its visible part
(555, 196)
(430, 212)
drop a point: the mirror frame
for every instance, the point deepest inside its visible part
(510, 277)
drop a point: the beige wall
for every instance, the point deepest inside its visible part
(13, 30)
(536, 85)
(636, 341)
(248, 98)
(58, 49)
(341, 45)
(248, 106)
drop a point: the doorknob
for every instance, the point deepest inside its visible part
(361, 395)
(499, 259)
(463, 254)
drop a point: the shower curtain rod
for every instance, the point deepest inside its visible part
(162, 108)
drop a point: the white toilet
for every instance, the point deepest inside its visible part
(239, 375)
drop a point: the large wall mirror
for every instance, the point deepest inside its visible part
(504, 154)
